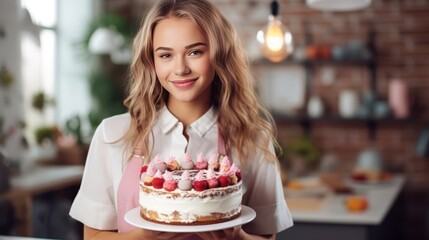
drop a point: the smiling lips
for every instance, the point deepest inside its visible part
(183, 83)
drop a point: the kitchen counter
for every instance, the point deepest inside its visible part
(40, 180)
(20, 238)
(330, 219)
(381, 197)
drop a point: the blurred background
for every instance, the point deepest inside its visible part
(346, 81)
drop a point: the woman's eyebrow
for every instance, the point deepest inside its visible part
(195, 45)
(186, 47)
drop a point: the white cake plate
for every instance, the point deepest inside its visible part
(133, 217)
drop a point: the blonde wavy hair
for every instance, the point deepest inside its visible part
(242, 120)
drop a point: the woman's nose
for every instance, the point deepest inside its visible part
(182, 68)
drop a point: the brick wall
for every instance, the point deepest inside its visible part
(402, 49)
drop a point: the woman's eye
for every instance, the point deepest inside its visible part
(166, 55)
(195, 52)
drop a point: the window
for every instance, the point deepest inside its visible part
(38, 54)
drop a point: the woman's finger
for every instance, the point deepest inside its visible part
(173, 236)
(229, 233)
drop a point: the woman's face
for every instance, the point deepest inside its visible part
(182, 61)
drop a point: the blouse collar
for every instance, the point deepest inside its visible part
(202, 125)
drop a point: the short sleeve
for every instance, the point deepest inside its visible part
(264, 194)
(94, 204)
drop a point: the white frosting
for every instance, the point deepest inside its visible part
(189, 208)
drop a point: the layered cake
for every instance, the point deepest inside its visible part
(204, 192)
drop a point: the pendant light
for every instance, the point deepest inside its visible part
(338, 5)
(275, 39)
(106, 40)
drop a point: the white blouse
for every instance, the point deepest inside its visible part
(96, 202)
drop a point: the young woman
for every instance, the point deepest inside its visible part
(190, 86)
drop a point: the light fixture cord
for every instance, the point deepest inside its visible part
(274, 8)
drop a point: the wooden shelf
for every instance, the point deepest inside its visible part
(306, 122)
(315, 62)
(281, 117)
(367, 61)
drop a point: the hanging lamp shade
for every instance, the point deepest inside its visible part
(338, 5)
(104, 40)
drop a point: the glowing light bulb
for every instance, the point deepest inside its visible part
(275, 38)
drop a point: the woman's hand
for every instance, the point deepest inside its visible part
(140, 234)
(235, 233)
(155, 235)
(225, 234)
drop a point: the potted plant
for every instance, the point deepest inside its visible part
(301, 155)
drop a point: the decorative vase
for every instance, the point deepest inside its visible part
(399, 98)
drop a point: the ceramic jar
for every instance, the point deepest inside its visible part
(370, 159)
(315, 107)
(348, 104)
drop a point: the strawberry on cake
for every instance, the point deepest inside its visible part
(208, 192)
